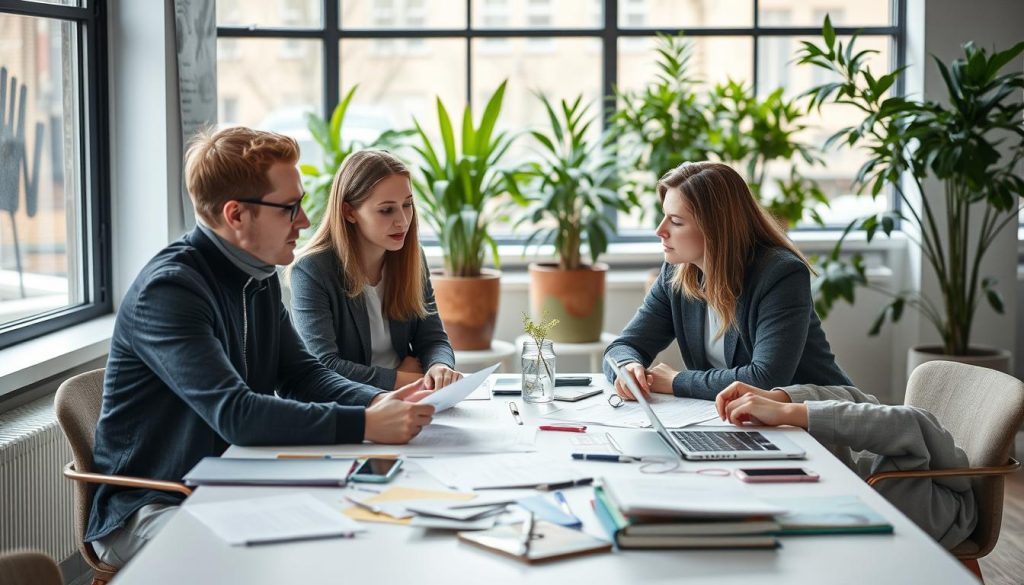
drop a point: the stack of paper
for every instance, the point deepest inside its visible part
(273, 519)
(513, 470)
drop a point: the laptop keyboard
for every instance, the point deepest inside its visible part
(705, 441)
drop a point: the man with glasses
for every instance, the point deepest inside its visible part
(204, 355)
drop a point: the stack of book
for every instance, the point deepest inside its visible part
(665, 514)
(659, 513)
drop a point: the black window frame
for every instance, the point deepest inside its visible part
(94, 180)
(609, 34)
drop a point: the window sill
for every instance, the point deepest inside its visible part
(35, 360)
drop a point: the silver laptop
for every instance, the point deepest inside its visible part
(704, 444)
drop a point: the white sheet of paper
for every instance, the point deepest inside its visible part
(452, 394)
(273, 519)
(444, 439)
(673, 411)
(448, 524)
(489, 471)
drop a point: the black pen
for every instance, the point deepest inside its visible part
(547, 487)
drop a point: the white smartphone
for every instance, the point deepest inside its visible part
(775, 474)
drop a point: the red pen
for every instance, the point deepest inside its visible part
(565, 428)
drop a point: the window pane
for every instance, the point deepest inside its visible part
(777, 69)
(713, 60)
(41, 254)
(270, 84)
(269, 13)
(497, 14)
(841, 12)
(685, 13)
(535, 65)
(402, 14)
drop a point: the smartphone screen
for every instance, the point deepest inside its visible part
(374, 466)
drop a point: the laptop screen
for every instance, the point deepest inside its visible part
(645, 406)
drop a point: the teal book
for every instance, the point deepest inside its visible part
(828, 515)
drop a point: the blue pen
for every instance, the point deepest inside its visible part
(604, 457)
(564, 504)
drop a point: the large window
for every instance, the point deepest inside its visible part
(278, 59)
(54, 256)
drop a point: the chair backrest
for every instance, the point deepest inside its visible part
(28, 567)
(983, 410)
(77, 404)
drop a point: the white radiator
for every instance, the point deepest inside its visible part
(36, 502)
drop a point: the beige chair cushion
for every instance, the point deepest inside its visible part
(26, 567)
(982, 409)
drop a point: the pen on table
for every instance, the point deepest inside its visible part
(364, 489)
(515, 412)
(527, 533)
(365, 506)
(564, 428)
(604, 457)
(564, 504)
(547, 487)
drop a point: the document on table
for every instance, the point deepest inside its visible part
(273, 519)
(492, 471)
(441, 439)
(675, 412)
(454, 393)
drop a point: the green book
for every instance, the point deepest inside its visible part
(828, 515)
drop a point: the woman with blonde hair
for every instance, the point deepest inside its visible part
(361, 294)
(734, 292)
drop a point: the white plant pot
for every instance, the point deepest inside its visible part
(986, 357)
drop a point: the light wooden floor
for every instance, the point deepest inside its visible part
(1005, 564)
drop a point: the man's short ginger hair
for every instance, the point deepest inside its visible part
(232, 163)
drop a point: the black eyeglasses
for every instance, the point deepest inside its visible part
(293, 209)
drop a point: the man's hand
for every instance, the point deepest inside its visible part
(737, 390)
(638, 373)
(439, 376)
(395, 417)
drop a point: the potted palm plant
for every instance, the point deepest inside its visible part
(570, 186)
(970, 145)
(460, 188)
(316, 180)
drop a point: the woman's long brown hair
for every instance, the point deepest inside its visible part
(404, 283)
(735, 228)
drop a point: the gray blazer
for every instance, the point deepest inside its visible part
(336, 328)
(777, 339)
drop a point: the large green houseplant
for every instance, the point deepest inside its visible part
(568, 190)
(328, 134)
(673, 120)
(969, 144)
(460, 185)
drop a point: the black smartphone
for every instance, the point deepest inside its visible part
(376, 470)
(573, 380)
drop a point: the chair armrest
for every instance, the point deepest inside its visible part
(138, 482)
(1012, 466)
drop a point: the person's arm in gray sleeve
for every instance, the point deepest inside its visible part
(903, 438)
(314, 321)
(807, 392)
(649, 331)
(784, 314)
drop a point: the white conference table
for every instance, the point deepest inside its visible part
(185, 551)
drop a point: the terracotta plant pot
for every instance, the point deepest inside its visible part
(574, 297)
(986, 357)
(468, 307)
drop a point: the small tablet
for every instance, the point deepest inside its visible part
(507, 386)
(575, 393)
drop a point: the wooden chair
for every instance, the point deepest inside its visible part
(29, 567)
(983, 410)
(77, 404)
